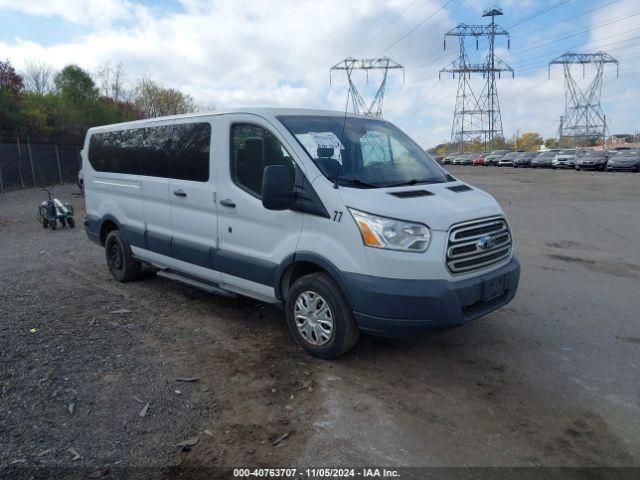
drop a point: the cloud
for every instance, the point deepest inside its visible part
(231, 53)
(97, 13)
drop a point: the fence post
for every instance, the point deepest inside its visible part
(20, 163)
(33, 170)
(58, 160)
(1, 180)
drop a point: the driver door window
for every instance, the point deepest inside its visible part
(252, 149)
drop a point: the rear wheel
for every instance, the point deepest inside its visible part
(319, 317)
(71, 222)
(122, 265)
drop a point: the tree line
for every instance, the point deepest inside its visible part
(59, 106)
(527, 141)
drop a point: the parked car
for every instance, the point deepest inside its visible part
(543, 159)
(624, 161)
(438, 158)
(448, 160)
(507, 160)
(278, 209)
(464, 159)
(593, 160)
(479, 159)
(524, 159)
(494, 157)
(566, 158)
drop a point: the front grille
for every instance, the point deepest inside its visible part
(464, 255)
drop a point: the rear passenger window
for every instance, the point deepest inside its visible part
(116, 152)
(155, 159)
(252, 149)
(180, 151)
(192, 143)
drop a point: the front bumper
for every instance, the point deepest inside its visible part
(401, 308)
(622, 168)
(590, 166)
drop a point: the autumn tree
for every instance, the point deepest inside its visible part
(38, 78)
(11, 85)
(530, 141)
(154, 100)
(112, 81)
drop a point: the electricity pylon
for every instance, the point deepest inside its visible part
(477, 116)
(360, 107)
(583, 118)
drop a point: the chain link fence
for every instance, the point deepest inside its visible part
(25, 165)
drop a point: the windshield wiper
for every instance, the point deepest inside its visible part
(357, 182)
(413, 181)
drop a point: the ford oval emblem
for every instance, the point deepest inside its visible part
(487, 242)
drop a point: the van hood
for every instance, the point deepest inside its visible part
(438, 211)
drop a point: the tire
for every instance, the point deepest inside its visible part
(53, 224)
(120, 261)
(71, 222)
(63, 222)
(45, 223)
(344, 334)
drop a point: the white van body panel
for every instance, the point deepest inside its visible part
(247, 231)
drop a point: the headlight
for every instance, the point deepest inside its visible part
(381, 232)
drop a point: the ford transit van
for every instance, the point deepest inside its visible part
(342, 220)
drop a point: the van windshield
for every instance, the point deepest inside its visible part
(363, 152)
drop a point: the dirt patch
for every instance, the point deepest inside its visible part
(565, 258)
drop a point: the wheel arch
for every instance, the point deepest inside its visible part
(107, 224)
(303, 263)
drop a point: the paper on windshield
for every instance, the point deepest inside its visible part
(326, 140)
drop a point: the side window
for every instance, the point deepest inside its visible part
(116, 152)
(155, 158)
(252, 149)
(192, 144)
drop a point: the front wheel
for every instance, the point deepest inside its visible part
(122, 265)
(71, 222)
(319, 317)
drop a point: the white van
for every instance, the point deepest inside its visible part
(342, 220)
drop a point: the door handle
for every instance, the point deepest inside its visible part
(179, 193)
(228, 203)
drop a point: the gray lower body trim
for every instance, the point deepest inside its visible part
(397, 307)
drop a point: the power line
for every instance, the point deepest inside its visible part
(386, 27)
(416, 27)
(595, 27)
(565, 20)
(538, 13)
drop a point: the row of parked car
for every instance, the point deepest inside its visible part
(573, 158)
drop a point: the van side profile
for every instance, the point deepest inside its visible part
(342, 220)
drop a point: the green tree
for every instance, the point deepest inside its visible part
(75, 85)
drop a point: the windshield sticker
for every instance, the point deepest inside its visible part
(326, 140)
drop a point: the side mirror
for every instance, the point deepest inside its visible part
(277, 187)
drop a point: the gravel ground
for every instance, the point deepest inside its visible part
(83, 355)
(552, 379)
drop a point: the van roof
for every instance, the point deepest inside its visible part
(264, 112)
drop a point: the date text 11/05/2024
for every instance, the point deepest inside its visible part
(316, 473)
